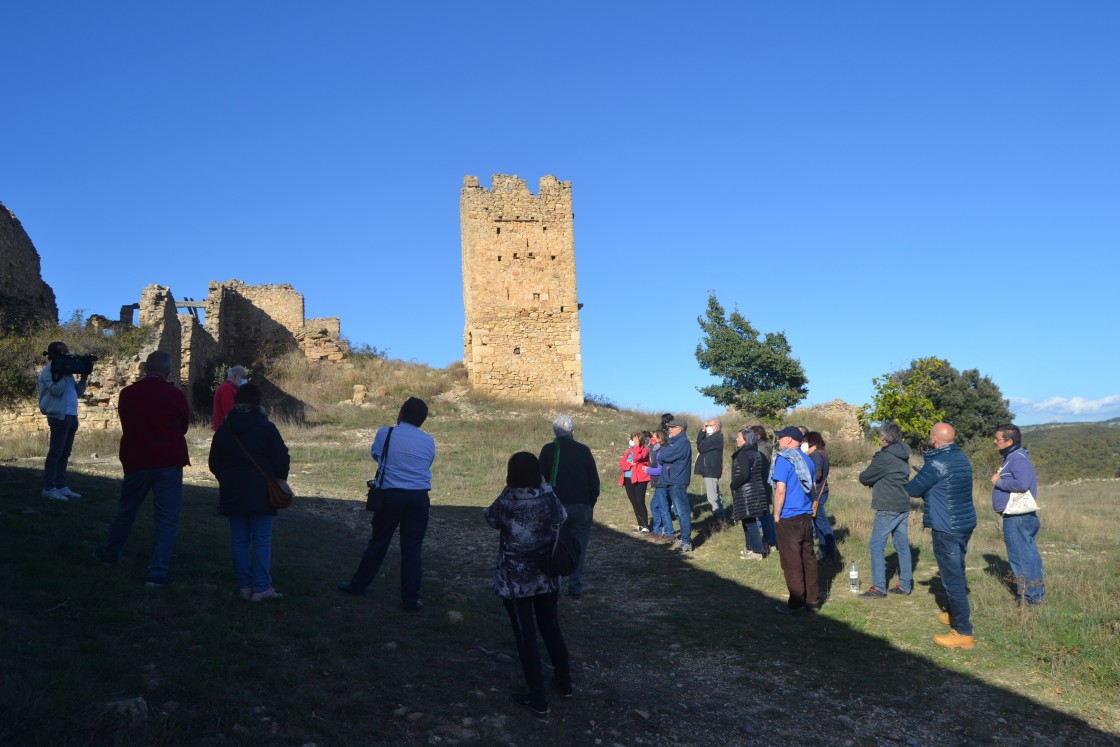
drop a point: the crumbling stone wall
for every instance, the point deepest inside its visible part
(521, 338)
(25, 300)
(255, 322)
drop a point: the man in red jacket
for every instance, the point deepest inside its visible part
(154, 421)
(224, 394)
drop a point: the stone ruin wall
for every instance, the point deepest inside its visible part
(250, 320)
(24, 298)
(521, 339)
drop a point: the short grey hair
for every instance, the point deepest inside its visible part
(891, 432)
(563, 425)
(238, 370)
(158, 363)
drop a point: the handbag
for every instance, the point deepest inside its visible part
(375, 497)
(280, 493)
(562, 555)
(1020, 503)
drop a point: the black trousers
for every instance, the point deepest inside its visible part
(636, 492)
(522, 612)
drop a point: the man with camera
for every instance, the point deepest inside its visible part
(58, 400)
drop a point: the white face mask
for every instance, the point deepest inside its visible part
(805, 447)
(710, 430)
(630, 442)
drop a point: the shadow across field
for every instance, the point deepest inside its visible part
(663, 651)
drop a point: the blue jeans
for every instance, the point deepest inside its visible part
(659, 507)
(753, 535)
(166, 486)
(896, 525)
(766, 524)
(678, 494)
(823, 529)
(251, 535)
(1019, 534)
(580, 516)
(407, 509)
(58, 452)
(949, 550)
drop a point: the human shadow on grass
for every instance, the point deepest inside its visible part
(654, 633)
(999, 569)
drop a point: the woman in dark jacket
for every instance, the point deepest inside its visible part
(814, 446)
(525, 513)
(748, 489)
(243, 491)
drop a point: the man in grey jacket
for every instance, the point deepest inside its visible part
(887, 476)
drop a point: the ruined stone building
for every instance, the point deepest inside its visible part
(521, 338)
(25, 300)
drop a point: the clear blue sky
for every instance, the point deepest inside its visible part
(881, 180)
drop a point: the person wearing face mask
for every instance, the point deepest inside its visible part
(635, 478)
(154, 420)
(749, 471)
(224, 394)
(814, 446)
(659, 505)
(709, 465)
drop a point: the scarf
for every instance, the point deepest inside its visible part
(797, 459)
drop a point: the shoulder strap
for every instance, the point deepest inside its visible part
(253, 461)
(555, 460)
(380, 476)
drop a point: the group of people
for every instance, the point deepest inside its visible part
(777, 495)
(945, 486)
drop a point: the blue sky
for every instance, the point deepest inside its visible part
(883, 181)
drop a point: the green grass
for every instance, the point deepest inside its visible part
(694, 644)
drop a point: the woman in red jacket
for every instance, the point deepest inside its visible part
(634, 478)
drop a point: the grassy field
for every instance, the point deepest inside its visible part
(665, 650)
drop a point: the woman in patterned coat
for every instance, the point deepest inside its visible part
(525, 513)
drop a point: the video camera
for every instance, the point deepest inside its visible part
(69, 363)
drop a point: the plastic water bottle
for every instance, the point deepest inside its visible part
(853, 579)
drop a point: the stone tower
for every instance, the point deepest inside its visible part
(519, 290)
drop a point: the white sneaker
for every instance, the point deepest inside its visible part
(269, 593)
(643, 530)
(68, 493)
(54, 495)
(750, 555)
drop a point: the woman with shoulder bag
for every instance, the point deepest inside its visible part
(247, 436)
(524, 514)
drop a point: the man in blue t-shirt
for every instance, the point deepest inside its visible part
(791, 474)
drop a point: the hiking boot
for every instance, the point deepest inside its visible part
(537, 708)
(873, 593)
(684, 547)
(155, 582)
(268, 593)
(953, 639)
(67, 492)
(944, 618)
(562, 692)
(52, 494)
(898, 590)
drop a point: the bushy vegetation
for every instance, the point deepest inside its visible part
(21, 354)
(1072, 452)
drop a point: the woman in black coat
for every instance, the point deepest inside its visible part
(748, 489)
(243, 490)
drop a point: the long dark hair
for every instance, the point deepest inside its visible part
(523, 471)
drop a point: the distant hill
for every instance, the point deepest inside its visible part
(1067, 451)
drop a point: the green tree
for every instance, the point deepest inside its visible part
(908, 398)
(931, 390)
(972, 403)
(757, 376)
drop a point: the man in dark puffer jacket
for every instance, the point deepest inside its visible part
(945, 484)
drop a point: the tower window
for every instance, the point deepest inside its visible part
(517, 351)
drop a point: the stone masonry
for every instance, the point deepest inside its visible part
(521, 338)
(25, 299)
